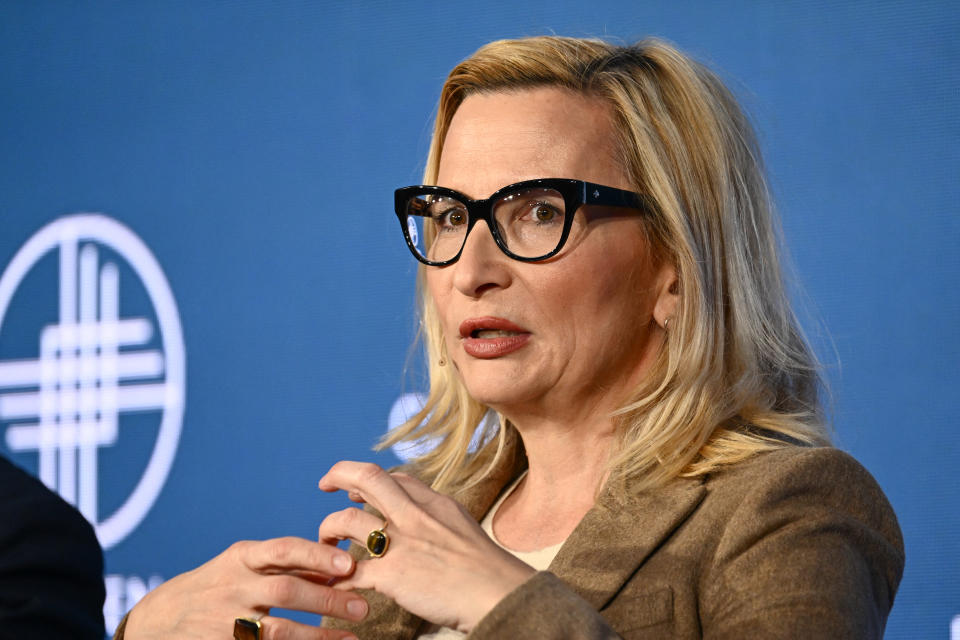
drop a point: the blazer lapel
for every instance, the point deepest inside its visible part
(619, 533)
(480, 497)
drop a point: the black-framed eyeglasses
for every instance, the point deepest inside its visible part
(529, 220)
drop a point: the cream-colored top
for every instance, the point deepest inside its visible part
(539, 560)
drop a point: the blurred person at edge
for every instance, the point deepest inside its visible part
(601, 270)
(51, 564)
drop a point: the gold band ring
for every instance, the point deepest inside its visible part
(378, 541)
(247, 629)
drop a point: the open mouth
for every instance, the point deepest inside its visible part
(492, 337)
(490, 327)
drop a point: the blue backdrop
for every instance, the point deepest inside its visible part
(253, 149)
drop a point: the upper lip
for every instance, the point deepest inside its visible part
(468, 326)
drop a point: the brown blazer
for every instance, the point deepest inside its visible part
(795, 543)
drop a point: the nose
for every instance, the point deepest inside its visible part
(482, 265)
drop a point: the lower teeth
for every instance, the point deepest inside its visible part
(495, 334)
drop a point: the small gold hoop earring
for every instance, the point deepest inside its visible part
(666, 323)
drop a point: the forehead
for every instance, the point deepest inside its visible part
(498, 138)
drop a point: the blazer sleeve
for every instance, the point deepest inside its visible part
(543, 607)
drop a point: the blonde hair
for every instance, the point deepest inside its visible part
(735, 376)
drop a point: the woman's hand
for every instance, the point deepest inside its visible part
(247, 580)
(440, 564)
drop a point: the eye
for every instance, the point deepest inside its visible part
(455, 217)
(530, 211)
(450, 218)
(544, 213)
(540, 212)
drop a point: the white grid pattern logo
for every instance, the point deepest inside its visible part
(93, 366)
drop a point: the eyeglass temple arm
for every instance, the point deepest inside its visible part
(598, 194)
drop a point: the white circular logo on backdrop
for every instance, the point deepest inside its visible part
(407, 406)
(93, 365)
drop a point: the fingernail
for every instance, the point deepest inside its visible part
(342, 562)
(357, 608)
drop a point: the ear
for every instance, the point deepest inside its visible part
(668, 294)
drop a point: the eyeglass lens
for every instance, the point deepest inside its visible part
(529, 222)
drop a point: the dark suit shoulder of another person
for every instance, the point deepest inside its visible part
(51, 565)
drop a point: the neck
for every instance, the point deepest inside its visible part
(567, 463)
(566, 467)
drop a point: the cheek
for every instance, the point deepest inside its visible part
(431, 283)
(438, 289)
(615, 289)
(616, 270)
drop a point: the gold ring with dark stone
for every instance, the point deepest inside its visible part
(247, 629)
(378, 541)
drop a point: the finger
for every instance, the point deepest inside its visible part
(284, 629)
(365, 577)
(348, 524)
(367, 480)
(415, 488)
(293, 554)
(291, 592)
(437, 505)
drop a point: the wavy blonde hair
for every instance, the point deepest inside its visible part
(735, 376)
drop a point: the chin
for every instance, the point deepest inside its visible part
(501, 397)
(492, 398)
(498, 383)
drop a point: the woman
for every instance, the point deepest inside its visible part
(660, 468)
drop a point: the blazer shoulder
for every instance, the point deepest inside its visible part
(806, 533)
(815, 477)
(795, 466)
